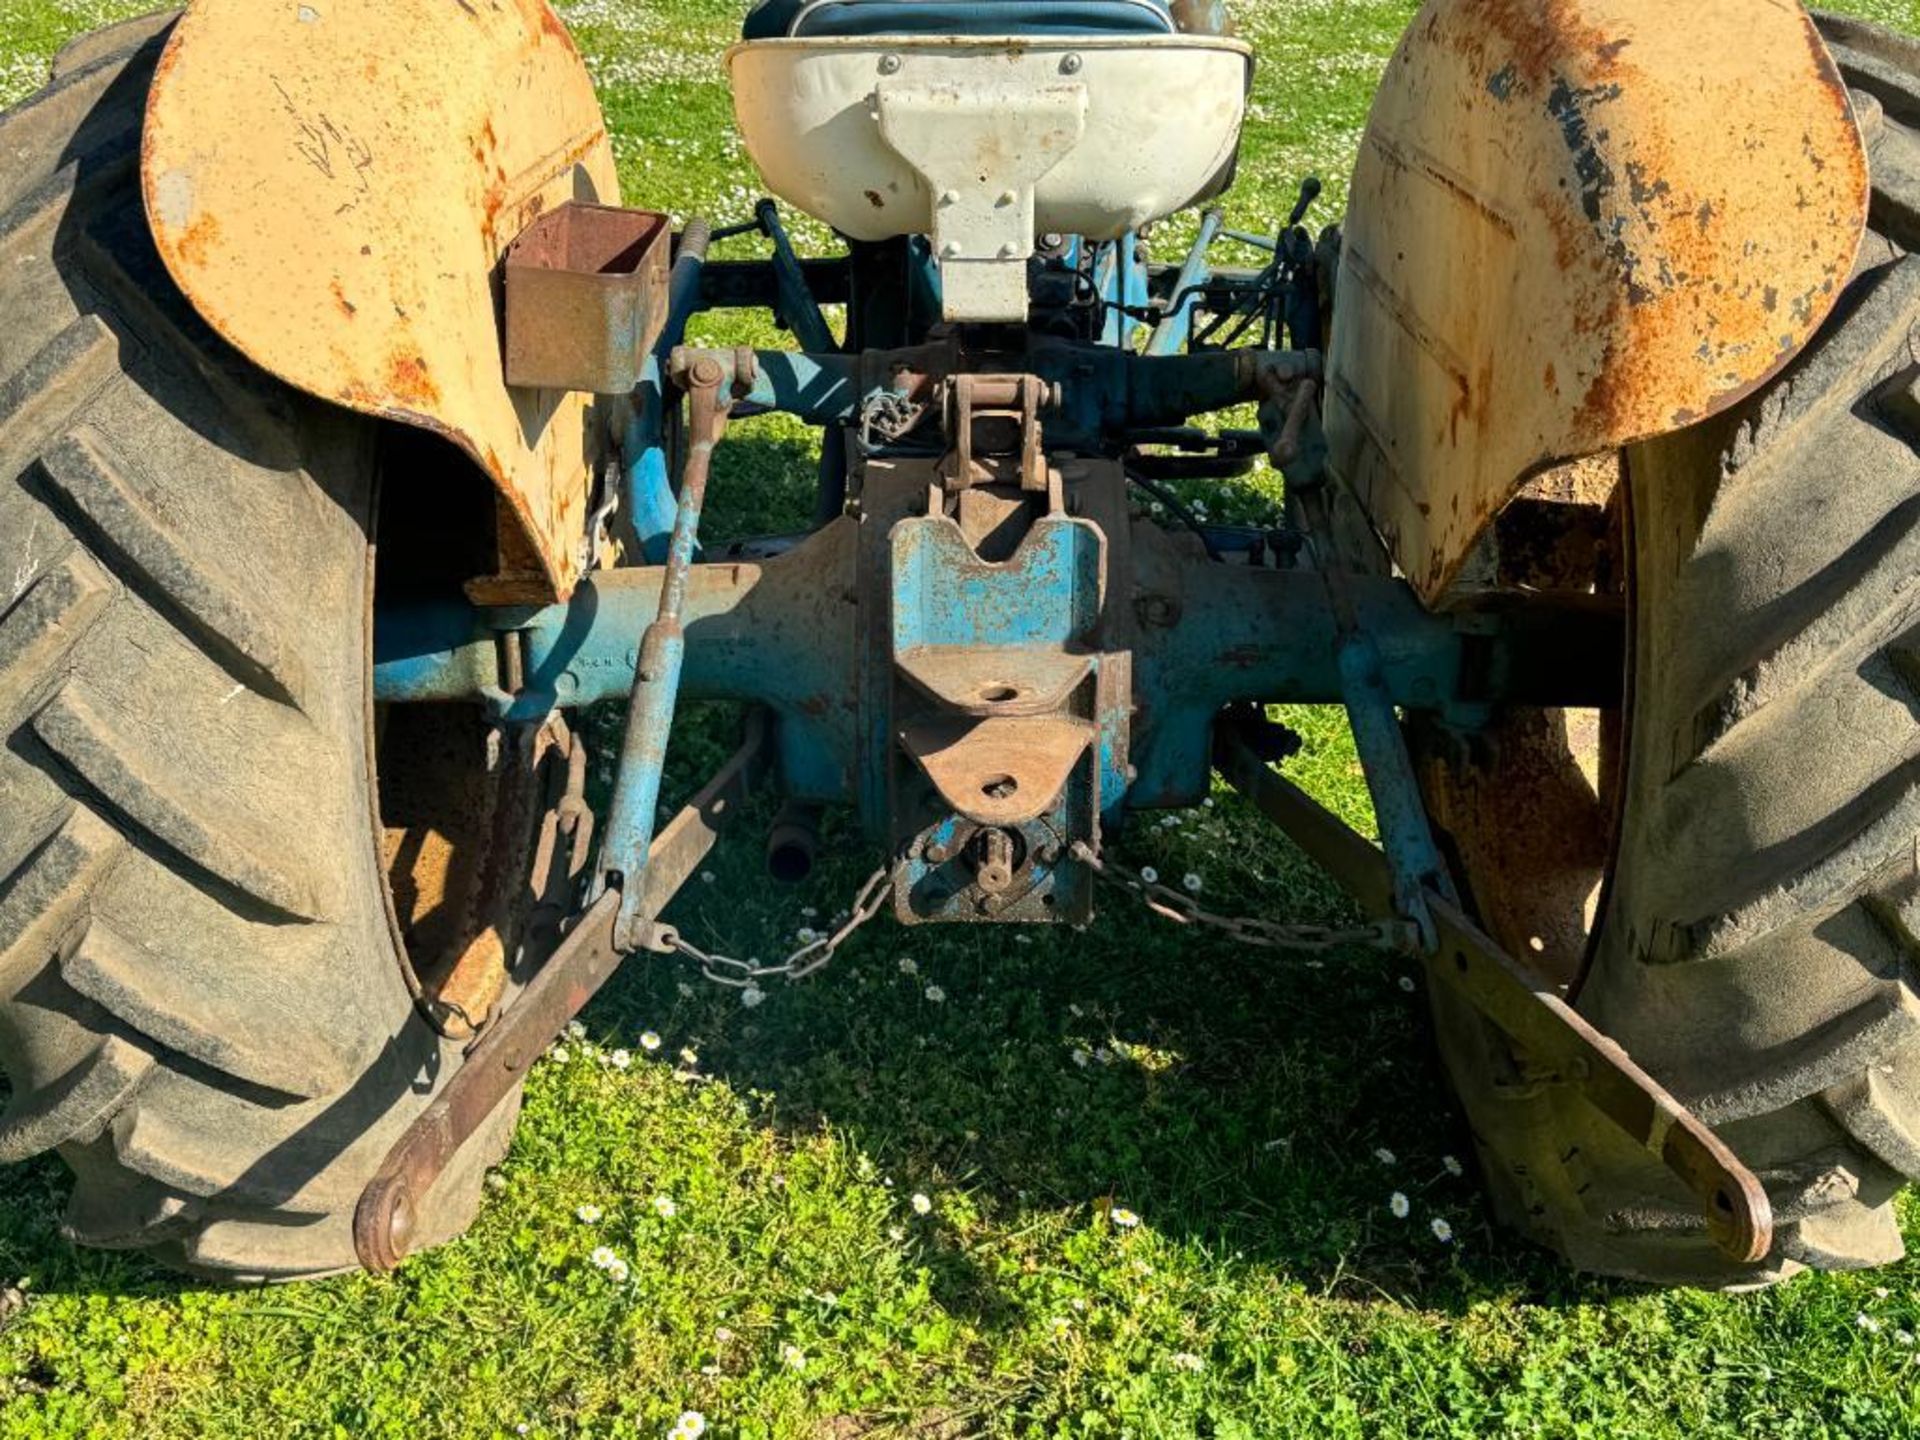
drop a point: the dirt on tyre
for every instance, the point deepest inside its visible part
(1724, 872)
(204, 1003)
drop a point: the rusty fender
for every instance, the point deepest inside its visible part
(1575, 224)
(332, 184)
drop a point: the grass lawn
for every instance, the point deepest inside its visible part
(1124, 1182)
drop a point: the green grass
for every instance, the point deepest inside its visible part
(1236, 1103)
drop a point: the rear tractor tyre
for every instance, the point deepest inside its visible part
(1755, 808)
(204, 1006)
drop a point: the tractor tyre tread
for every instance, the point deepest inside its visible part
(202, 1005)
(1760, 943)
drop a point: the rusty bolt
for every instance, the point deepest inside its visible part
(994, 873)
(1159, 611)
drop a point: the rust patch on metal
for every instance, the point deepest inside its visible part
(340, 221)
(196, 242)
(1634, 219)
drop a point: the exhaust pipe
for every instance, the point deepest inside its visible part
(793, 842)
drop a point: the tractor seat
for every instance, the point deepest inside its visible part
(981, 125)
(776, 19)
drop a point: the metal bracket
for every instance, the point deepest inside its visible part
(982, 151)
(1526, 1008)
(993, 425)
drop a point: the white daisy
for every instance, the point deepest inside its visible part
(806, 935)
(1149, 874)
(793, 1357)
(649, 1041)
(1386, 1156)
(602, 1257)
(576, 1030)
(1867, 1323)
(936, 994)
(1453, 1166)
(1123, 1217)
(1192, 882)
(620, 1059)
(588, 1214)
(690, 1426)
(689, 1056)
(921, 1204)
(1185, 1361)
(1081, 1057)
(664, 1207)
(908, 966)
(559, 1055)
(617, 1271)
(1442, 1231)
(752, 996)
(1399, 1205)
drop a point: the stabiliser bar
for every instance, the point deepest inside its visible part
(1559, 1043)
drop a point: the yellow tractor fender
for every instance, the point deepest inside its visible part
(1574, 226)
(333, 184)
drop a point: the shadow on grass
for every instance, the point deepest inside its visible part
(1234, 1098)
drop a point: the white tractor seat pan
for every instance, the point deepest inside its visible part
(981, 143)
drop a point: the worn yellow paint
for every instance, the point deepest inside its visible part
(333, 183)
(1575, 224)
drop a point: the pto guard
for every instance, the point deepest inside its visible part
(1574, 226)
(333, 183)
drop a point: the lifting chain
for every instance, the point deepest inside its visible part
(1164, 901)
(1183, 909)
(815, 955)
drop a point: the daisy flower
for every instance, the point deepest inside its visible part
(936, 994)
(664, 1207)
(649, 1041)
(620, 1059)
(909, 966)
(1123, 1217)
(793, 1357)
(921, 1204)
(1385, 1156)
(588, 1214)
(752, 996)
(1399, 1205)
(690, 1426)
(1453, 1166)
(1149, 874)
(1442, 1231)
(1192, 882)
